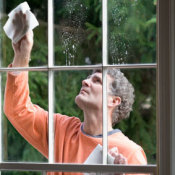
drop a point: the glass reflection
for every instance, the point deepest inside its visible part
(77, 32)
(132, 31)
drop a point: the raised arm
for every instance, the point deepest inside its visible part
(29, 119)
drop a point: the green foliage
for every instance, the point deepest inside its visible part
(94, 32)
(38, 86)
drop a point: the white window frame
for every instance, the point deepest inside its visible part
(165, 100)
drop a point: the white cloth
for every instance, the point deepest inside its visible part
(16, 30)
(96, 158)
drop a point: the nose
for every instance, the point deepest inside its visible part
(86, 82)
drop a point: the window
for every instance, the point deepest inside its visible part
(68, 30)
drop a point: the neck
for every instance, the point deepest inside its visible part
(93, 124)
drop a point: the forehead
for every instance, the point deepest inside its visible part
(96, 74)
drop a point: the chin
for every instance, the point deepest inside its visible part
(78, 101)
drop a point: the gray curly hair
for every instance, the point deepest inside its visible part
(122, 88)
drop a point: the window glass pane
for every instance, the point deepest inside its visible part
(78, 38)
(132, 31)
(40, 51)
(140, 126)
(24, 118)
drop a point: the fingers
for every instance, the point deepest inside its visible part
(27, 38)
(20, 24)
(119, 158)
(19, 17)
(23, 15)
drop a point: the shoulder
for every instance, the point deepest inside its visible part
(66, 128)
(126, 142)
(66, 121)
(134, 152)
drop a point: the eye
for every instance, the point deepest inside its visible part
(97, 80)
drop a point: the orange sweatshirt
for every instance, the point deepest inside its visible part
(72, 145)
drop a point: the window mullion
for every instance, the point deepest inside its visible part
(86, 67)
(69, 167)
(105, 59)
(50, 81)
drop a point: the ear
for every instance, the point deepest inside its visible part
(114, 101)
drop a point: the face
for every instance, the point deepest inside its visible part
(90, 95)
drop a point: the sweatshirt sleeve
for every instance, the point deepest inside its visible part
(30, 120)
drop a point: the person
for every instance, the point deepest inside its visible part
(75, 141)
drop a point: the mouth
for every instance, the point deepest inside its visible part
(83, 91)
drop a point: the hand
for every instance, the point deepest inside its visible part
(119, 158)
(22, 50)
(20, 25)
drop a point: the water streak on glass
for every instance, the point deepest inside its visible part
(72, 33)
(78, 34)
(132, 31)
